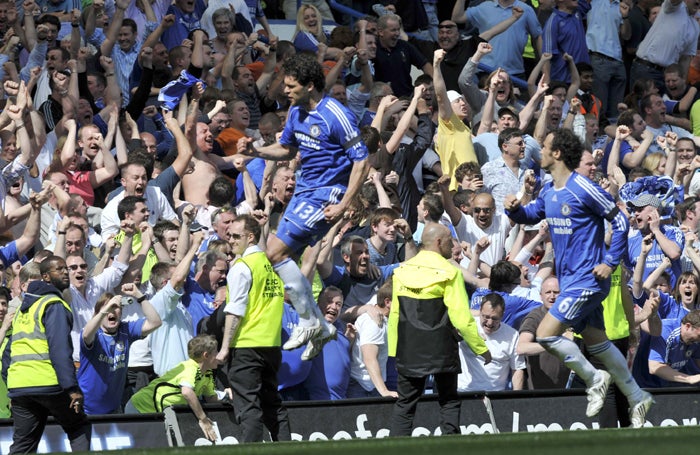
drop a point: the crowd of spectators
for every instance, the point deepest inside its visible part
(121, 134)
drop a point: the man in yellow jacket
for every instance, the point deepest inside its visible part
(429, 302)
(41, 377)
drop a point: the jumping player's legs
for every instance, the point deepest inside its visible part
(303, 224)
(295, 283)
(616, 364)
(549, 335)
(582, 310)
(577, 309)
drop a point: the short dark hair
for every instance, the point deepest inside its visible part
(306, 70)
(462, 197)
(221, 192)
(100, 77)
(433, 204)
(128, 205)
(503, 274)
(645, 103)
(141, 157)
(5, 292)
(162, 227)
(423, 79)
(692, 318)
(251, 225)
(328, 291)
(495, 300)
(47, 263)
(584, 67)
(687, 139)
(131, 24)
(626, 118)
(569, 145)
(49, 19)
(370, 136)
(507, 134)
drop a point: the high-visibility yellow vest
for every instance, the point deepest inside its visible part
(30, 365)
(262, 324)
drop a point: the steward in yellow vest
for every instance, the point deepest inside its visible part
(41, 377)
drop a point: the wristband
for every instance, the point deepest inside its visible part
(61, 232)
(75, 25)
(109, 74)
(141, 299)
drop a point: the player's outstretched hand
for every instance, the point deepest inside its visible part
(511, 202)
(602, 271)
(333, 213)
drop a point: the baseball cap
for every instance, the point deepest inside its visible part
(454, 95)
(508, 110)
(645, 199)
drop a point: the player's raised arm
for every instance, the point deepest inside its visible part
(274, 151)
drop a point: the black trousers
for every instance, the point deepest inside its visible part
(30, 413)
(410, 390)
(256, 401)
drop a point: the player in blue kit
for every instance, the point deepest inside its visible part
(576, 210)
(333, 168)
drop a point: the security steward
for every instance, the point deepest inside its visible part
(41, 375)
(429, 302)
(253, 335)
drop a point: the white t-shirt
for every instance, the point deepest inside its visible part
(158, 208)
(494, 376)
(468, 231)
(368, 333)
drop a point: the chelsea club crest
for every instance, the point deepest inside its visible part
(314, 131)
(565, 209)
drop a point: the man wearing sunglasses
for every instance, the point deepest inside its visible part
(86, 289)
(508, 173)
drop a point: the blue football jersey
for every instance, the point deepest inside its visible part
(328, 141)
(576, 215)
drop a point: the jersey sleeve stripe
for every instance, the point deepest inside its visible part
(587, 186)
(342, 119)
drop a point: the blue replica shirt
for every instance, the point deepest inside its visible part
(357, 290)
(102, 372)
(565, 34)
(516, 307)
(184, 24)
(329, 143)
(671, 350)
(198, 301)
(307, 42)
(640, 366)
(330, 370)
(669, 308)
(9, 254)
(293, 370)
(656, 255)
(576, 215)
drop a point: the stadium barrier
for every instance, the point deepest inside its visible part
(492, 412)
